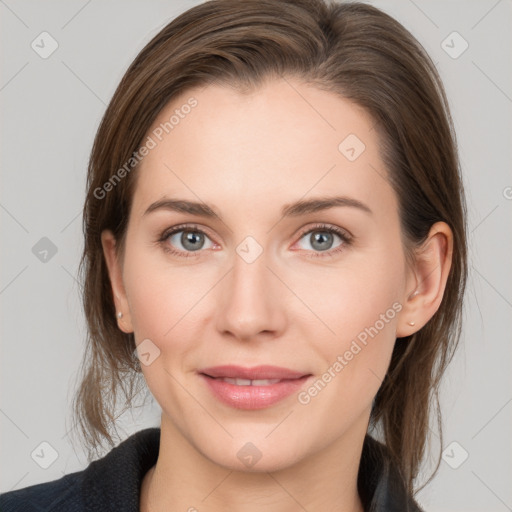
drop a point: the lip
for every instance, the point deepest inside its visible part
(252, 397)
(256, 372)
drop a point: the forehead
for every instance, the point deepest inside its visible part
(279, 143)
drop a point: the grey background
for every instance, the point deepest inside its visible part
(50, 111)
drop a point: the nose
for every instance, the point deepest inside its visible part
(251, 302)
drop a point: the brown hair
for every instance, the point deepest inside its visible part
(352, 49)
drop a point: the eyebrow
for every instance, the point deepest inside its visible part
(315, 205)
(301, 207)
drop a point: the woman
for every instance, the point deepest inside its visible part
(275, 241)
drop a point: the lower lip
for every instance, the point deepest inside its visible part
(253, 397)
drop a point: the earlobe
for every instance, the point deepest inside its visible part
(115, 272)
(427, 282)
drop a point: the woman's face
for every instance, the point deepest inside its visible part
(287, 253)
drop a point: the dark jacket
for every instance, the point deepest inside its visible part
(113, 482)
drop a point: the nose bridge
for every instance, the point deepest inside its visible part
(249, 304)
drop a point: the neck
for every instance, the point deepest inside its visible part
(184, 480)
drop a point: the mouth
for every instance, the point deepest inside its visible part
(252, 388)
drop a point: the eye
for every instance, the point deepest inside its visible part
(181, 240)
(185, 240)
(321, 240)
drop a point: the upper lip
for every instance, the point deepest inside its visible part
(255, 373)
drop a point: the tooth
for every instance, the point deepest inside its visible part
(264, 382)
(243, 382)
(249, 382)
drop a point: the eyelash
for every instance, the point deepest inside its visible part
(345, 237)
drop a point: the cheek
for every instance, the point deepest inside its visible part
(358, 307)
(349, 298)
(363, 316)
(165, 307)
(166, 301)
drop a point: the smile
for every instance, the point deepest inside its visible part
(252, 388)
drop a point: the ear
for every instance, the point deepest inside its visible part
(115, 272)
(426, 281)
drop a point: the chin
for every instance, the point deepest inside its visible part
(248, 458)
(254, 452)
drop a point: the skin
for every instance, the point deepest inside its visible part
(247, 156)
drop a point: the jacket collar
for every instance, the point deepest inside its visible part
(380, 484)
(117, 477)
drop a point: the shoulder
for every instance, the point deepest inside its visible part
(113, 480)
(51, 496)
